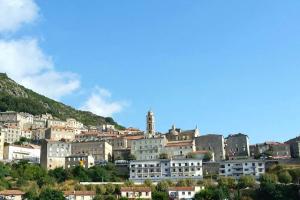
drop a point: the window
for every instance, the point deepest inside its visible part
(189, 193)
(183, 193)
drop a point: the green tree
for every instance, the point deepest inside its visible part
(129, 183)
(100, 189)
(285, 177)
(157, 195)
(268, 178)
(162, 186)
(148, 183)
(98, 197)
(228, 182)
(60, 174)
(51, 194)
(123, 198)
(80, 173)
(131, 157)
(246, 181)
(110, 188)
(207, 156)
(163, 156)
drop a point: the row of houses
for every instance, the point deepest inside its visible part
(128, 192)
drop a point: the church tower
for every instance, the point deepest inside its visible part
(150, 124)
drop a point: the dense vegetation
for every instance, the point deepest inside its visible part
(40, 184)
(14, 97)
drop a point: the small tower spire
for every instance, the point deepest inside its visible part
(150, 124)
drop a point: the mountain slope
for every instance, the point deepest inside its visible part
(15, 97)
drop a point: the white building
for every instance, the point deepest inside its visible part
(79, 195)
(11, 194)
(157, 170)
(25, 152)
(136, 192)
(238, 168)
(178, 193)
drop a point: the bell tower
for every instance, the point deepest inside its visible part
(150, 120)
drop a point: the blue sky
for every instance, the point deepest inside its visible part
(226, 66)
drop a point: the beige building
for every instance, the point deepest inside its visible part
(12, 134)
(58, 133)
(20, 118)
(149, 147)
(53, 153)
(38, 134)
(56, 122)
(180, 149)
(100, 150)
(2, 135)
(176, 134)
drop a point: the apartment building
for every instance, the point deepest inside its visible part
(2, 136)
(12, 134)
(238, 168)
(148, 148)
(58, 133)
(160, 169)
(53, 153)
(100, 150)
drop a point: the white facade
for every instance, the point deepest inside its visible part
(26, 152)
(157, 170)
(136, 192)
(73, 123)
(79, 195)
(238, 168)
(178, 193)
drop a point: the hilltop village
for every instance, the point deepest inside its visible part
(142, 156)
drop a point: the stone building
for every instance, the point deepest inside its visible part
(149, 147)
(100, 150)
(211, 142)
(53, 153)
(294, 146)
(58, 133)
(150, 119)
(176, 134)
(83, 160)
(20, 118)
(273, 150)
(237, 146)
(180, 149)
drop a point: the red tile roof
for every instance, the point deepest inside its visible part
(11, 192)
(80, 193)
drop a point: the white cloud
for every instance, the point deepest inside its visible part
(25, 62)
(100, 103)
(15, 13)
